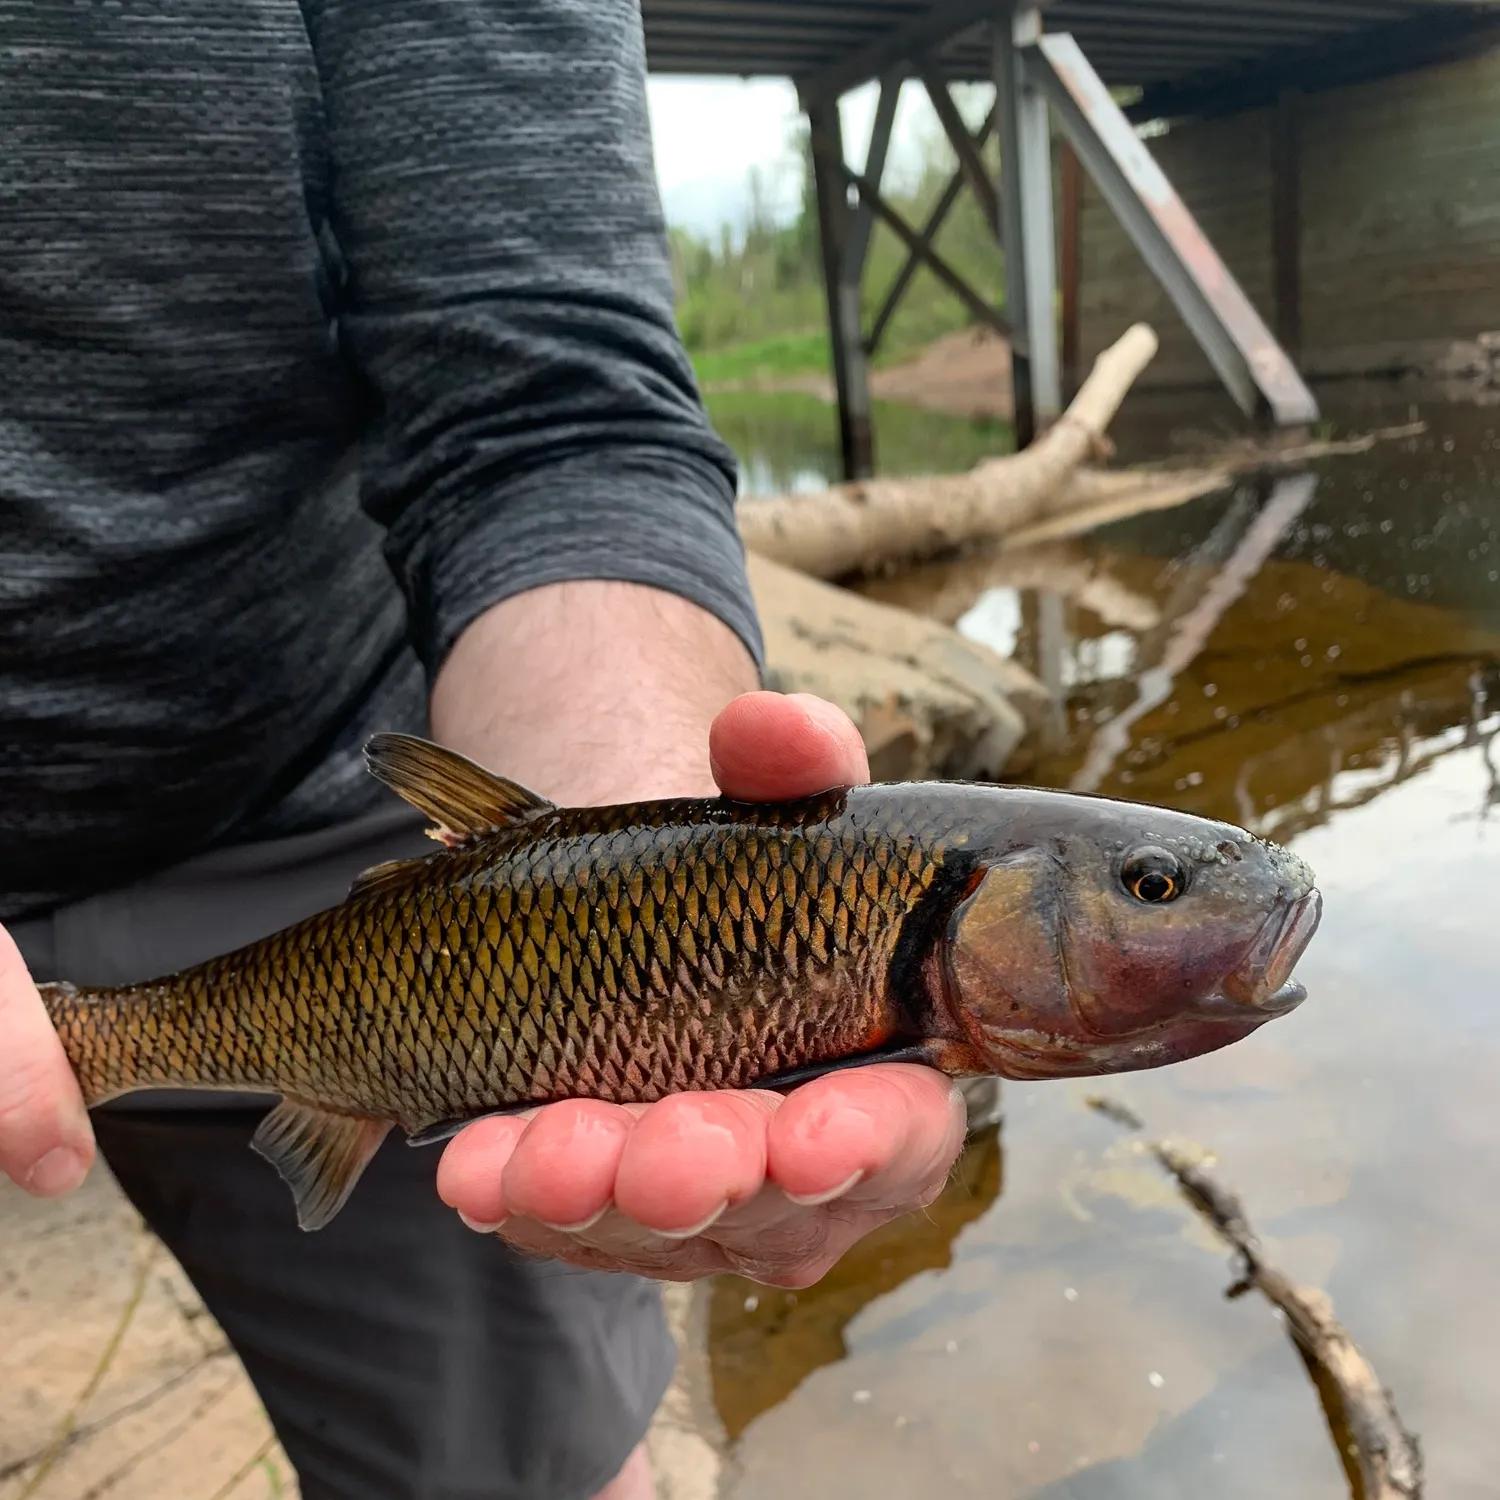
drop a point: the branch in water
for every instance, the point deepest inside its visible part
(1382, 1459)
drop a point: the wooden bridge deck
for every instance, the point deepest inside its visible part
(1169, 48)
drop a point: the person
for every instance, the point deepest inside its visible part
(342, 392)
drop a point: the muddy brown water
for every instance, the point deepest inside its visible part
(1316, 656)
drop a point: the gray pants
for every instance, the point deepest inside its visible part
(400, 1356)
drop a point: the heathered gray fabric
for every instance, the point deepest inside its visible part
(283, 287)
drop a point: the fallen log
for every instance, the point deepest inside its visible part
(860, 527)
(1092, 499)
(928, 702)
(1381, 1459)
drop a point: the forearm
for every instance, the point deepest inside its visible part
(592, 691)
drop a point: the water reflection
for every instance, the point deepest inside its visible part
(789, 443)
(1317, 658)
(763, 1342)
(1189, 617)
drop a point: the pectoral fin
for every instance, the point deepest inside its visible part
(912, 1052)
(319, 1155)
(445, 1130)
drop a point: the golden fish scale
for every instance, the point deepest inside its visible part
(589, 953)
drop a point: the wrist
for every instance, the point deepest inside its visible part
(592, 692)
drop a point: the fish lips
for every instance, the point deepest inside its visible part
(1263, 982)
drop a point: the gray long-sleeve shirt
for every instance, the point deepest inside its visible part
(285, 287)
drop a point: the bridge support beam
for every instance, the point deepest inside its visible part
(838, 241)
(1039, 77)
(917, 252)
(1026, 226)
(1242, 349)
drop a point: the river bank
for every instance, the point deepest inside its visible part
(963, 374)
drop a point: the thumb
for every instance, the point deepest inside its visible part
(766, 747)
(46, 1143)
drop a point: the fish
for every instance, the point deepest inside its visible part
(627, 952)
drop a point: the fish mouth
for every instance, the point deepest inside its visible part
(1264, 980)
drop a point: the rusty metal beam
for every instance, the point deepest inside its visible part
(851, 379)
(970, 163)
(928, 232)
(1221, 317)
(924, 252)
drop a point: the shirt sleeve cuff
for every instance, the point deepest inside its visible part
(660, 518)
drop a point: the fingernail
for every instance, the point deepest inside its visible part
(60, 1171)
(812, 1200)
(698, 1228)
(479, 1228)
(829, 715)
(580, 1226)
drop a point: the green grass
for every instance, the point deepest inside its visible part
(781, 354)
(756, 309)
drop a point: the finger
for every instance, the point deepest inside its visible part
(690, 1157)
(873, 1137)
(562, 1171)
(471, 1172)
(764, 747)
(800, 1253)
(662, 1260)
(46, 1142)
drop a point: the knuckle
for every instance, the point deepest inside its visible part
(30, 1111)
(793, 1276)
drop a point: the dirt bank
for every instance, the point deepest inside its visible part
(964, 374)
(115, 1379)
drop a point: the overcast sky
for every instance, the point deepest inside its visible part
(709, 133)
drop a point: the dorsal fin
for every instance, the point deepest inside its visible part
(392, 875)
(462, 798)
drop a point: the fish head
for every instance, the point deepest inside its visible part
(1121, 937)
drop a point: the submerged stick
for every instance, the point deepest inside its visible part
(854, 528)
(1381, 1458)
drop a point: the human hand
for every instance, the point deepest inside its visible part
(774, 1187)
(46, 1142)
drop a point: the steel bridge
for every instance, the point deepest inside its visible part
(1057, 65)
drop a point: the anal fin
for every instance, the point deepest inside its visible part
(320, 1155)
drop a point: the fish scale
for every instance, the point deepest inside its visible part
(626, 953)
(495, 981)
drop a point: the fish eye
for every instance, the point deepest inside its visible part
(1154, 876)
